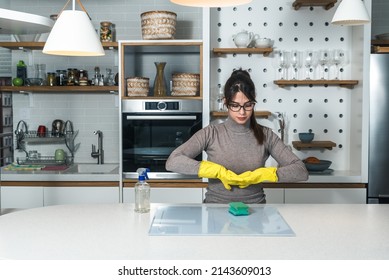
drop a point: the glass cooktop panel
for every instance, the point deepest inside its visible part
(216, 220)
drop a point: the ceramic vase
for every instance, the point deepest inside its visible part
(159, 82)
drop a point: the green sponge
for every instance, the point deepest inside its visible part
(238, 209)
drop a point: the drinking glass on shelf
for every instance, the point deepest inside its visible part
(338, 59)
(296, 63)
(324, 61)
(310, 62)
(283, 63)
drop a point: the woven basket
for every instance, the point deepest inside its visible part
(158, 25)
(185, 84)
(138, 86)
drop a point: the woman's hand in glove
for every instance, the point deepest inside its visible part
(213, 170)
(263, 174)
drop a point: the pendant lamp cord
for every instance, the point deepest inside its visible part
(79, 3)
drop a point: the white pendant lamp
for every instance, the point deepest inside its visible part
(210, 3)
(351, 12)
(73, 35)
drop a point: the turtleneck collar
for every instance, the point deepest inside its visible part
(235, 127)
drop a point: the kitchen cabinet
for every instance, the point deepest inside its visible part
(21, 197)
(167, 195)
(274, 196)
(137, 59)
(80, 195)
(326, 195)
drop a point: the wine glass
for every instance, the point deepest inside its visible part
(338, 58)
(283, 63)
(324, 60)
(295, 62)
(310, 62)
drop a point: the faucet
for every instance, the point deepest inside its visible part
(99, 154)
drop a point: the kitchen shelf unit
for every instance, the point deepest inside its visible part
(341, 83)
(327, 4)
(258, 114)
(40, 45)
(63, 89)
(298, 145)
(223, 51)
(181, 56)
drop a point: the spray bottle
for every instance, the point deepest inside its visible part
(142, 192)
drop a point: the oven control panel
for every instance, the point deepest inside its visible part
(162, 105)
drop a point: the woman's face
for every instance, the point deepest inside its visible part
(241, 116)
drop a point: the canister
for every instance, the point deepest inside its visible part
(51, 79)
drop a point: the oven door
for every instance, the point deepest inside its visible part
(149, 139)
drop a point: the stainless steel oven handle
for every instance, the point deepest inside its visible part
(157, 118)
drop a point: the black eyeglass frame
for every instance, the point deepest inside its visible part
(248, 106)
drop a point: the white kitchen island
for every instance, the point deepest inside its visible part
(115, 231)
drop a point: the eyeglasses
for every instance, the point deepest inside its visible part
(235, 107)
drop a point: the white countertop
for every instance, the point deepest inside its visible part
(115, 231)
(70, 174)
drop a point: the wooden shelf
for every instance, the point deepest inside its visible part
(341, 83)
(222, 51)
(298, 145)
(258, 114)
(67, 89)
(164, 97)
(40, 45)
(380, 49)
(327, 4)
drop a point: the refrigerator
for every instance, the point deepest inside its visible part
(378, 183)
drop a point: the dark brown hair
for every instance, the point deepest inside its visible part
(240, 81)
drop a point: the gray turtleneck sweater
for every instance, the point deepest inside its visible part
(235, 147)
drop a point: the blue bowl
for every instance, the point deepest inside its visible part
(306, 137)
(320, 166)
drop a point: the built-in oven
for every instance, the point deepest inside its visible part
(152, 129)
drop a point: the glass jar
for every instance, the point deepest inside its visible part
(40, 72)
(106, 31)
(72, 77)
(62, 77)
(83, 77)
(51, 79)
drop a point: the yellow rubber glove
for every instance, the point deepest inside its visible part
(213, 170)
(263, 174)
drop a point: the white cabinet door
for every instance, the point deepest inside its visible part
(168, 195)
(274, 196)
(80, 195)
(335, 195)
(21, 197)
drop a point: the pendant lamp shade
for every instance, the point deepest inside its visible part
(73, 35)
(210, 3)
(351, 12)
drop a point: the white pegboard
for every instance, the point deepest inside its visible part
(326, 111)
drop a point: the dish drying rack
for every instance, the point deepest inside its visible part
(32, 137)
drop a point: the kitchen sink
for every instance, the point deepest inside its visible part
(92, 168)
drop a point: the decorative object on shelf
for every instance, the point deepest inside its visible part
(351, 12)
(41, 131)
(160, 89)
(263, 43)
(158, 25)
(210, 3)
(306, 137)
(40, 72)
(106, 31)
(138, 86)
(73, 34)
(243, 39)
(319, 165)
(21, 71)
(185, 84)
(34, 82)
(57, 128)
(51, 79)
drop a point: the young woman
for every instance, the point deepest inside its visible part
(237, 151)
